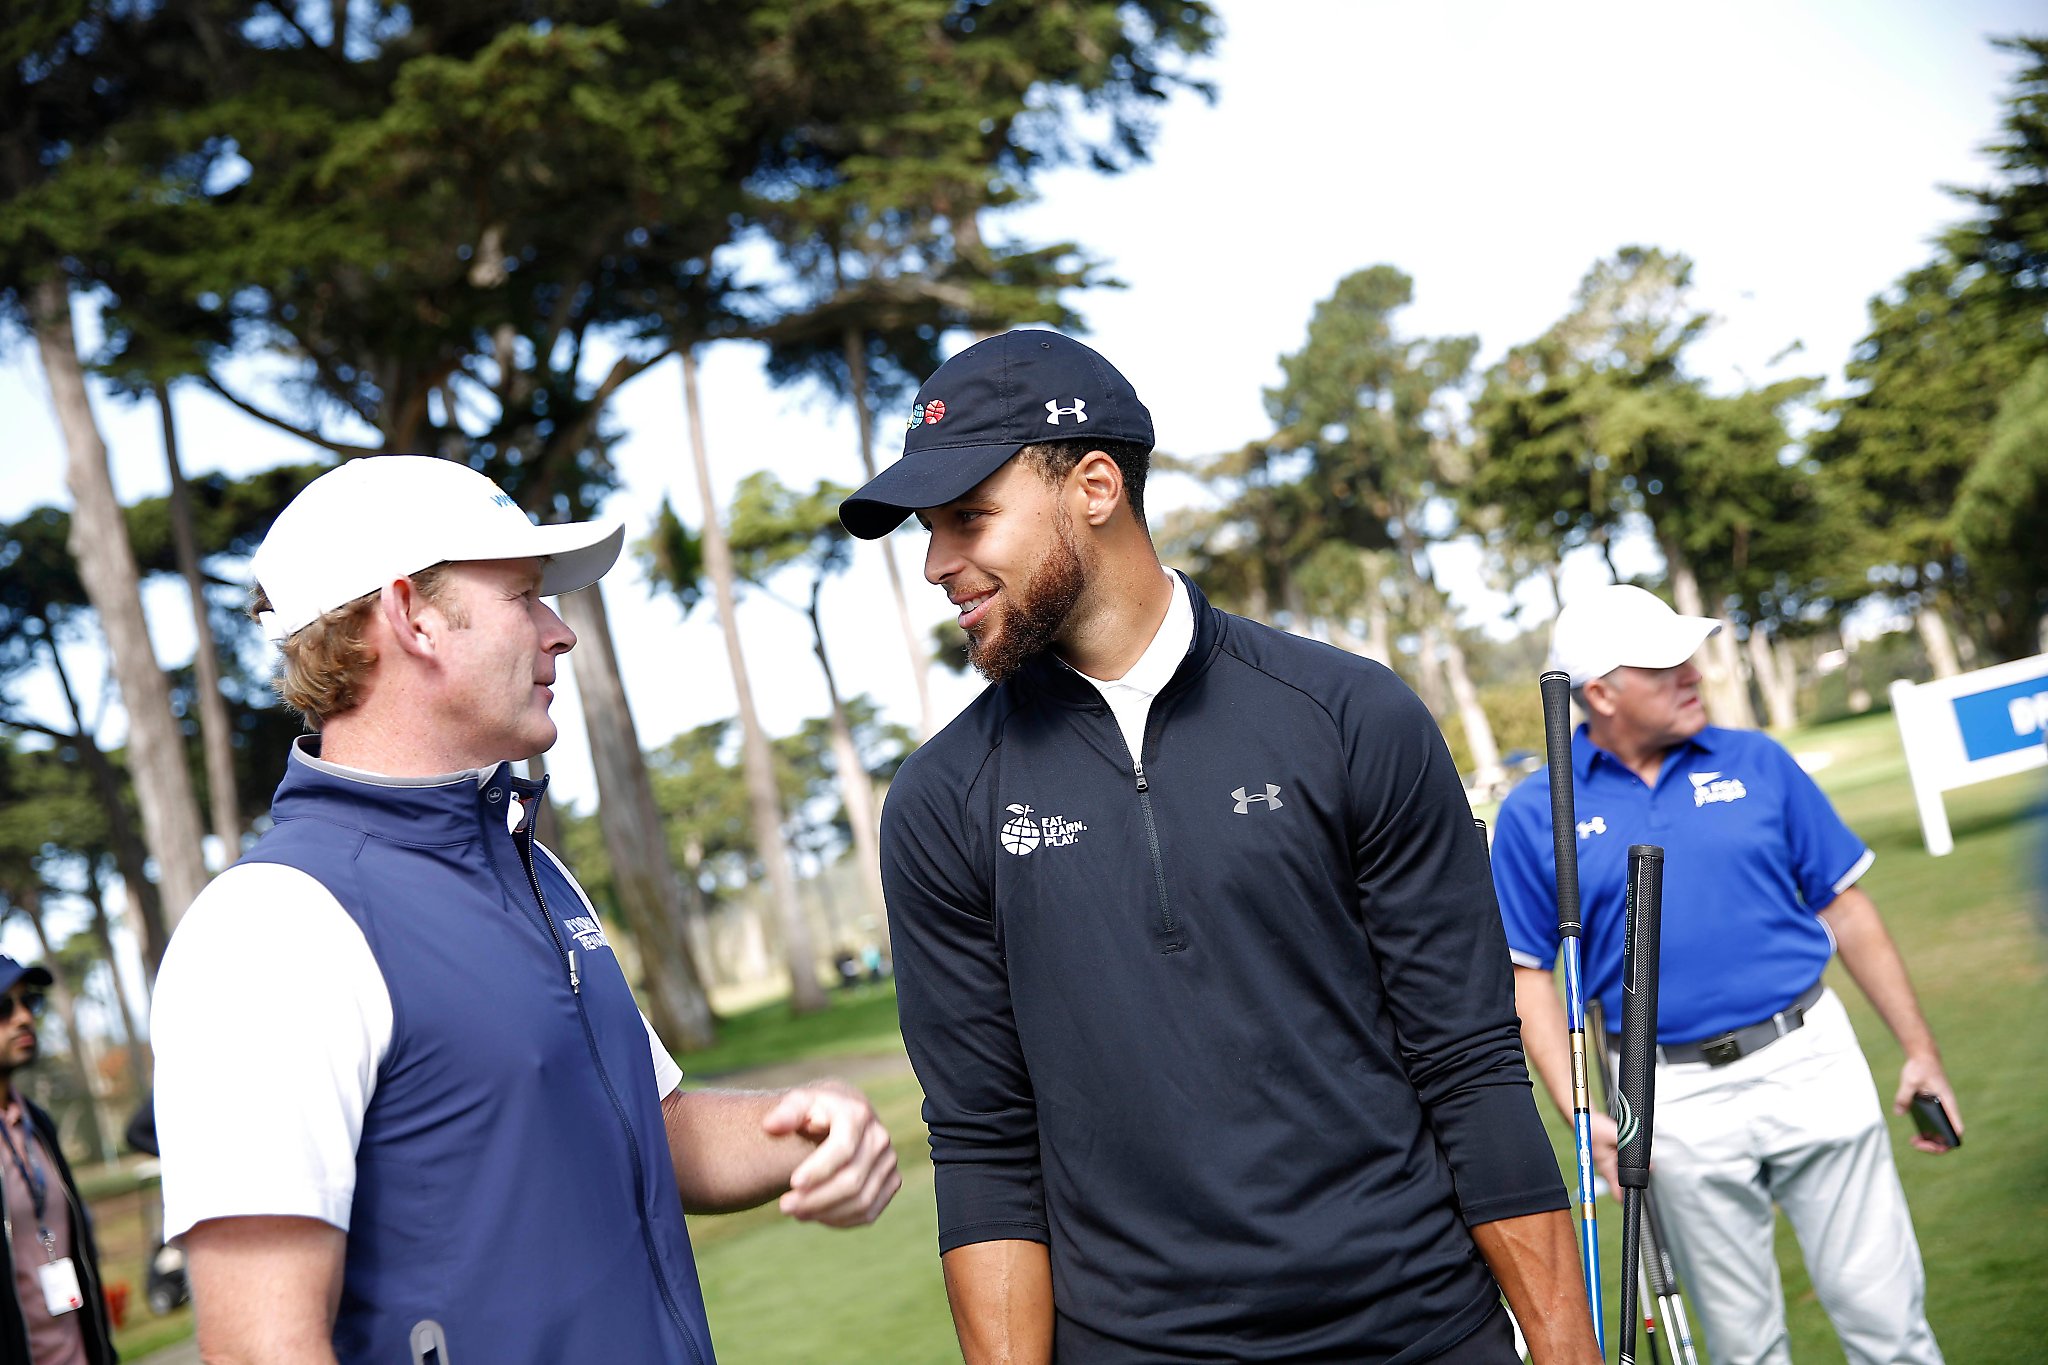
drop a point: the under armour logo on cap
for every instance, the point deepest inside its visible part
(1244, 800)
(988, 413)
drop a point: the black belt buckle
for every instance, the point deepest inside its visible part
(1722, 1050)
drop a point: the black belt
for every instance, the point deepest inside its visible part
(1738, 1043)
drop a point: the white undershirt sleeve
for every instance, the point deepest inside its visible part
(270, 1021)
(667, 1075)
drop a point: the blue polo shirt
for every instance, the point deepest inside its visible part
(1752, 853)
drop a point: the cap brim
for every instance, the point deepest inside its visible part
(34, 975)
(579, 554)
(930, 478)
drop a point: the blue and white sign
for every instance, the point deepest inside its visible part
(1968, 729)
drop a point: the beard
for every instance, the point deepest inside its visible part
(1029, 618)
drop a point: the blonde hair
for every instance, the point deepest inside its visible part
(322, 668)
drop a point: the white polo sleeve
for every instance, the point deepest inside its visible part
(270, 1022)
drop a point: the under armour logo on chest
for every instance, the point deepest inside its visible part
(1244, 799)
(1053, 411)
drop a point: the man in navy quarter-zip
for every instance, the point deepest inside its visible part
(1196, 951)
(407, 1106)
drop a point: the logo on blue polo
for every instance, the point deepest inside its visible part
(1708, 788)
(587, 932)
(1589, 828)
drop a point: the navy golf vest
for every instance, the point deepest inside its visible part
(513, 1180)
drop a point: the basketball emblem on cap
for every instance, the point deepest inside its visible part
(934, 410)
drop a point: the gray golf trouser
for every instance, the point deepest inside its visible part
(1799, 1125)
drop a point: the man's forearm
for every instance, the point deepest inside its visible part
(1001, 1294)
(1544, 1034)
(819, 1148)
(1535, 1260)
(723, 1161)
(1873, 960)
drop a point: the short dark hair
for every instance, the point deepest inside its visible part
(1054, 460)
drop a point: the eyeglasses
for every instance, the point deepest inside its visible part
(30, 1001)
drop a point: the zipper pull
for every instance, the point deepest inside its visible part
(575, 981)
(1138, 767)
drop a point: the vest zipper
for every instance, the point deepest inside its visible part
(523, 842)
(1171, 939)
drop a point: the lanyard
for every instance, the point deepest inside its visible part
(33, 1175)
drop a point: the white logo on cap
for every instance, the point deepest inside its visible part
(1079, 412)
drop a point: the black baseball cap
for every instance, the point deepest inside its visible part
(12, 971)
(983, 406)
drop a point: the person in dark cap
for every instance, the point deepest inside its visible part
(57, 1314)
(1196, 950)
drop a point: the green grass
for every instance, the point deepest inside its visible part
(861, 1021)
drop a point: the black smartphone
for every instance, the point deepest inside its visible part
(1933, 1121)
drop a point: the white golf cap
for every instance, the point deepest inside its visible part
(372, 520)
(1619, 626)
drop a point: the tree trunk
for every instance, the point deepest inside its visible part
(1726, 695)
(763, 800)
(1772, 681)
(1429, 669)
(652, 898)
(920, 654)
(1379, 626)
(216, 736)
(1936, 640)
(1298, 620)
(106, 564)
(103, 933)
(129, 853)
(84, 1056)
(1790, 667)
(547, 821)
(856, 789)
(1859, 699)
(1486, 769)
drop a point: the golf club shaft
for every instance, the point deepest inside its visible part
(1663, 1275)
(1636, 1112)
(1557, 742)
(1648, 1299)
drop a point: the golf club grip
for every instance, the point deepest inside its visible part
(1564, 820)
(1656, 1261)
(1639, 1014)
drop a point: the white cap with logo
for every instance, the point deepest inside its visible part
(1620, 626)
(379, 518)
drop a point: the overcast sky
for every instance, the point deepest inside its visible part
(1492, 151)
